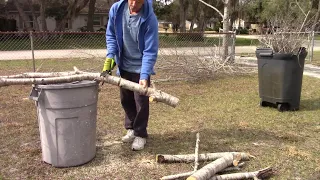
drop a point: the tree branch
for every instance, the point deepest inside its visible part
(196, 153)
(263, 173)
(211, 169)
(212, 7)
(162, 158)
(156, 95)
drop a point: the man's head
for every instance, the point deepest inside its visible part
(135, 5)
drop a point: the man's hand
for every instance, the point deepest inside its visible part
(144, 83)
(104, 73)
(108, 66)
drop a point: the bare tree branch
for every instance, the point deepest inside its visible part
(211, 7)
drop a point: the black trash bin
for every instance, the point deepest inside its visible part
(280, 78)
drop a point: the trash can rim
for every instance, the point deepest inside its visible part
(76, 84)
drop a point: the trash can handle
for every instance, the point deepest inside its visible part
(35, 94)
(266, 54)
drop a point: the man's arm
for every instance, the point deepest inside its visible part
(150, 51)
(111, 40)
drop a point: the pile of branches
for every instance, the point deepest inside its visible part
(289, 30)
(34, 78)
(195, 63)
(221, 163)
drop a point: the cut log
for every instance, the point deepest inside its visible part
(237, 158)
(41, 75)
(196, 164)
(261, 174)
(211, 169)
(233, 168)
(164, 158)
(157, 95)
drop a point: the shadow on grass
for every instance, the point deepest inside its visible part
(310, 104)
(216, 140)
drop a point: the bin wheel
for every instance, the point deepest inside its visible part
(263, 103)
(283, 107)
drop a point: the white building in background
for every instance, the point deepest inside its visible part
(78, 23)
(238, 23)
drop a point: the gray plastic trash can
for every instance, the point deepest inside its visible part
(67, 116)
(280, 78)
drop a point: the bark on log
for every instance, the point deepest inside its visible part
(233, 168)
(211, 169)
(157, 95)
(261, 174)
(187, 174)
(196, 153)
(41, 75)
(163, 158)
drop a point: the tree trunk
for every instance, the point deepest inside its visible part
(73, 11)
(34, 17)
(82, 5)
(183, 14)
(43, 15)
(90, 15)
(201, 20)
(23, 15)
(226, 37)
(195, 6)
(61, 24)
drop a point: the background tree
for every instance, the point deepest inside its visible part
(32, 7)
(92, 4)
(207, 13)
(195, 6)
(43, 22)
(168, 12)
(64, 11)
(25, 18)
(183, 14)
(317, 14)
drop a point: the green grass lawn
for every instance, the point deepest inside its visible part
(224, 110)
(316, 58)
(317, 37)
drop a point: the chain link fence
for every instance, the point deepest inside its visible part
(179, 53)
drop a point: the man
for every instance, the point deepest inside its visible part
(132, 44)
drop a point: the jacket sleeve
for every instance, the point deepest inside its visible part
(151, 46)
(111, 40)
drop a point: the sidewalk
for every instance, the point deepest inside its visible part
(309, 69)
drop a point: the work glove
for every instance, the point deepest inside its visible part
(108, 66)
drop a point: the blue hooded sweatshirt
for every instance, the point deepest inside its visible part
(147, 37)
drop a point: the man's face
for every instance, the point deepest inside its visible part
(135, 5)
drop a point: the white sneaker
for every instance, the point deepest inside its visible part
(138, 143)
(129, 137)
